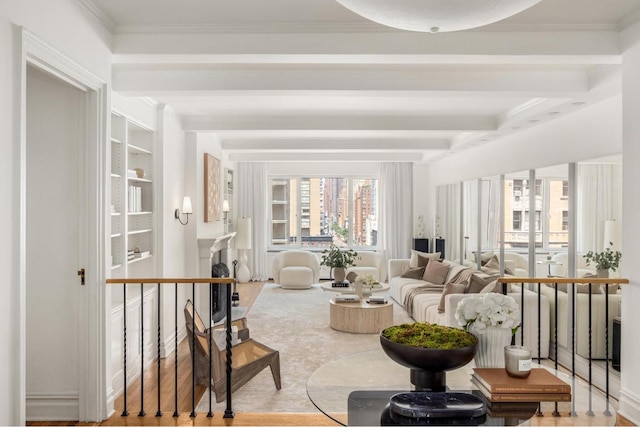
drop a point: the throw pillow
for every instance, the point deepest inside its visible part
(413, 273)
(413, 262)
(485, 257)
(436, 273)
(492, 287)
(479, 281)
(584, 288)
(493, 263)
(450, 288)
(562, 287)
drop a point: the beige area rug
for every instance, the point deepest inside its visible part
(296, 323)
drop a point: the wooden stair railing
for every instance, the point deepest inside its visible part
(213, 281)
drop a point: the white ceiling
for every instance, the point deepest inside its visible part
(278, 79)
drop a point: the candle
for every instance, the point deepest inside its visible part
(517, 361)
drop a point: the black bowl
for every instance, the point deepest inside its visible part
(426, 358)
(428, 365)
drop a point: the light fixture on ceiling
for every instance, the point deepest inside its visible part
(436, 16)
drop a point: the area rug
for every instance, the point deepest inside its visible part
(296, 323)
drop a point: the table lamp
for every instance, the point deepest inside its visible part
(242, 244)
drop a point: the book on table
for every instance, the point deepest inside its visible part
(540, 380)
(522, 396)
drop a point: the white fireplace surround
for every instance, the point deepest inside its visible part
(209, 248)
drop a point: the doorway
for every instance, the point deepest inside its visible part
(55, 232)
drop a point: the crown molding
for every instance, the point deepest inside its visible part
(98, 13)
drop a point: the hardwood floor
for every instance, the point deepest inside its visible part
(248, 294)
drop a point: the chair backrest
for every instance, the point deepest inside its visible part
(372, 259)
(202, 342)
(188, 309)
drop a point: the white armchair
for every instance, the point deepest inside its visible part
(518, 263)
(296, 269)
(372, 263)
(582, 269)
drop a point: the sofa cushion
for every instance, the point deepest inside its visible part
(436, 273)
(414, 261)
(493, 263)
(596, 288)
(478, 282)
(492, 287)
(485, 257)
(413, 273)
(450, 288)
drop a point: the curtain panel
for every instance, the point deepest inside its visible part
(396, 206)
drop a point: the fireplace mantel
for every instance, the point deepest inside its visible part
(208, 247)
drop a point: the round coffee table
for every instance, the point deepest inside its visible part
(360, 317)
(326, 286)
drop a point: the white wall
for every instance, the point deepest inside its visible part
(59, 23)
(630, 393)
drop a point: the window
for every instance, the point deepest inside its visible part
(565, 220)
(517, 220)
(322, 211)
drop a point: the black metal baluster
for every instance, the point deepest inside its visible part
(522, 314)
(539, 322)
(159, 412)
(573, 346)
(175, 338)
(193, 351)
(125, 412)
(210, 413)
(607, 412)
(555, 338)
(590, 411)
(142, 413)
(228, 412)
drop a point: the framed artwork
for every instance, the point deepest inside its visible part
(211, 188)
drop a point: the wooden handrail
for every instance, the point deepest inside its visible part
(155, 281)
(552, 280)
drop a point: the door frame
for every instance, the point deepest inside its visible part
(93, 384)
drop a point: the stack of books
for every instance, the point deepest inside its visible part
(540, 386)
(130, 254)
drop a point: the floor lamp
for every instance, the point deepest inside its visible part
(243, 243)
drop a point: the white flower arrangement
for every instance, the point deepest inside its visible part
(476, 313)
(367, 280)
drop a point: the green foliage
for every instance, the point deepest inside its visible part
(429, 335)
(336, 257)
(607, 260)
(340, 231)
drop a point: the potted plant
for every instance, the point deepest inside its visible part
(338, 260)
(604, 261)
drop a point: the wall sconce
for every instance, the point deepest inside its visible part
(186, 210)
(225, 208)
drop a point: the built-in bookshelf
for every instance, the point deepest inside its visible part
(132, 198)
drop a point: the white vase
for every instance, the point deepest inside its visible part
(491, 345)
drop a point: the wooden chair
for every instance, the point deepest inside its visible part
(241, 323)
(249, 357)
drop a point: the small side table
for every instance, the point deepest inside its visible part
(549, 263)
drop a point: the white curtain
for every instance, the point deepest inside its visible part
(251, 179)
(597, 201)
(449, 208)
(396, 213)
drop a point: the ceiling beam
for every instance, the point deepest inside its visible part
(310, 156)
(380, 145)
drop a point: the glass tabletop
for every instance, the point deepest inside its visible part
(375, 377)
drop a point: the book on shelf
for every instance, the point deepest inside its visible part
(540, 380)
(521, 397)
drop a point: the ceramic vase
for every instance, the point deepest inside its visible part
(603, 272)
(491, 343)
(339, 273)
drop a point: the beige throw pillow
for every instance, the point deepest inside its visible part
(413, 262)
(436, 273)
(413, 273)
(493, 263)
(450, 288)
(492, 287)
(478, 282)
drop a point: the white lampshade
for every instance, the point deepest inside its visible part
(186, 206)
(225, 206)
(611, 234)
(436, 16)
(243, 233)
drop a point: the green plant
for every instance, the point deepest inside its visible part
(336, 257)
(429, 335)
(607, 260)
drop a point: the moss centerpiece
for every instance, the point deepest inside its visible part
(428, 350)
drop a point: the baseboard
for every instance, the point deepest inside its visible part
(47, 407)
(168, 346)
(629, 406)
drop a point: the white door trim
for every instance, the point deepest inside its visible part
(35, 52)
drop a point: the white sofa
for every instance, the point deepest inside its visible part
(560, 269)
(598, 308)
(295, 269)
(425, 305)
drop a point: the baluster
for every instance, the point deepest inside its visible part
(555, 338)
(124, 291)
(210, 413)
(228, 412)
(193, 351)
(590, 411)
(607, 412)
(175, 339)
(159, 412)
(142, 413)
(573, 344)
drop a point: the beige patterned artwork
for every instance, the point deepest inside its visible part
(211, 188)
